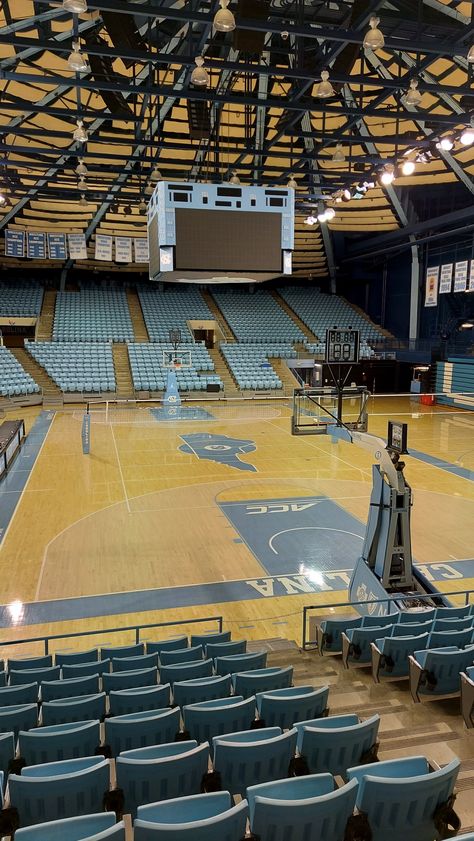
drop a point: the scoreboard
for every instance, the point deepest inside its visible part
(342, 347)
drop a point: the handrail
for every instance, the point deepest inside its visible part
(137, 628)
(310, 644)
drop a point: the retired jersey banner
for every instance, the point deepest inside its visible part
(36, 246)
(77, 246)
(123, 249)
(446, 278)
(140, 245)
(14, 243)
(431, 291)
(57, 249)
(470, 287)
(460, 276)
(103, 248)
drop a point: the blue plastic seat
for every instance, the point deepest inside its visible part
(73, 688)
(201, 689)
(356, 649)
(240, 662)
(85, 669)
(467, 696)
(129, 664)
(161, 772)
(129, 680)
(223, 715)
(309, 808)
(26, 693)
(212, 636)
(140, 730)
(59, 741)
(335, 743)
(98, 827)
(109, 652)
(282, 707)
(22, 663)
(185, 671)
(7, 752)
(460, 639)
(400, 797)
(18, 677)
(181, 655)
(417, 616)
(413, 629)
(201, 817)
(18, 717)
(453, 624)
(61, 658)
(59, 789)
(138, 699)
(328, 633)
(379, 621)
(223, 649)
(261, 680)
(435, 673)
(454, 612)
(390, 655)
(82, 708)
(253, 756)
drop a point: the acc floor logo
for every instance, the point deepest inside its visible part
(219, 448)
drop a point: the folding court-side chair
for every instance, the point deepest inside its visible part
(129, 680)
(201, 817)
(64, 710)
(216, 636)
(59, 741)
(138, 699)
(390, 655)
(52, 690)
(181, 655)
(71, 658)
(338, 742)
(140, 730)
(18, 717)
(253, 756)
(435, 673)
(98, 827)
(185, 671)
(213, 718)
(240, 662)
(156, 647)
(128, 664)
(26, 693)
(309, 807)
(261, 680)
(282, 707)
(161, 772)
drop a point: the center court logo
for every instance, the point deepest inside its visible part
(219, 448)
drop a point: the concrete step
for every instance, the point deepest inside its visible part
(224, 372)
(36, 371)
(211, 303)
(295, 318)
(44, 331)
(136, 314)
(123, 373)
(288, 379)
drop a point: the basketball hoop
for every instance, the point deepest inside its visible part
(177, 365)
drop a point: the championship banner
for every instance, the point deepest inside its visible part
(446, 278)
(77, 246)
(431, 291)
(14, 243)
(57, 247)
(36, 246)
(103, 248)
(460, 276)
(123, 249)
(470, 287)
(141, 250)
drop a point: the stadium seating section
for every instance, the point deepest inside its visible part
(13, 378)
(149, 372)
(165, 310)
(76, 366)
(92, 315)
(319, 349)
(257, 318)
(21, 300)
(456, 379)
(319, 311)
(250, 366)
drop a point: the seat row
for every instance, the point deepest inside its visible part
(76, 366)
(92, 315)
(149, 372)
(257, 317)
(13, 378)
(22, 300)
(320, 311)
(162, 310)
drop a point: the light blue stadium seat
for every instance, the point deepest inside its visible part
(435, 673)
(82, 708)
(440, 639)
(328, 633)
(454, 612)
(467, 696)
(98, 827)
(201, 817)
(139, 699)
(185, 671)
(223, 649)
(140, 730)
(400, 797)
(22, 663)
(417, 616)
(356, 648)
(161, 772)
(84, 669)
(240, 662)
(59, 789)
(413, 629)
(390, 655)
(116, 651)
(333, 744)
(453, 624)
(7, 752)
(213, 718)
(58, 742)
(129, 680)
(201, 689)
(253, 756)
(18, 717)
(26, 693)
(212, 636)
(379, 621)
(19, 677)
(56, 689)
(181, 655)
(309, 808)
(62, 658)
(128, 664)
(283, 707)
(261, 680)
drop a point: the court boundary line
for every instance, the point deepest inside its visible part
(122, 479)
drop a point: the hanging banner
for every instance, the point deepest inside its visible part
(431, 291)
(141, 250)
(103, 248)
(14, 243)
(36, 246)
(57, 247)
(123, 249)
(77, 246)
(470, 287)
(446, 278)
(460, 276)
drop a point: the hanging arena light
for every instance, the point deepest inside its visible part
(445, 143)
(80, 133)
(408, 167)
(76, 60)
(83, 201)
(199, 76)
(387, 175)
(234, 178)
(292, 183)
(76, 7)
(81, 168)
(413, 95)
(338, 155)
(374, 39)
(224, 20)
(324, 90)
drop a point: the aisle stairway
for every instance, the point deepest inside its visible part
(123, 374)
(362, 312)
(223, 371)
(288, 379)
(291, 314)
(226, 331)
(138, 322)
(51, 392)
(44, 331)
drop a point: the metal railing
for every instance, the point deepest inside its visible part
(308, 644)
(102, 631)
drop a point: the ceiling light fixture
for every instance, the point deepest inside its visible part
(82, 184)
(234, 178)
(445, 144)
(413, 95)
(324, 90)
(142, 207)
(292, 183)
(470, 55)
(374, 39)
(83, 201)
(387, 175)
(224, 20)
(310, 220)
(330, 213)
(76, 60)
(199, 76)
(76, 7)
(80, 133)
(3, 199)
(346, 194)
(408, 167)
(81, 168)
(156, 174)
(467, 137)
(338, 155)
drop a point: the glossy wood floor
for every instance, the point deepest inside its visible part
(139, 513)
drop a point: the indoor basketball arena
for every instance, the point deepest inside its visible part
(237, 420)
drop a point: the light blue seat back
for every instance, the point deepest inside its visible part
(160, 773)
(7, 752)
(139, 699)
(454, 612)
(308, 808)
(201, 689)
(139, 730)
(395, 653)
(83, 708)
(18, 717)
(330, 630)
(439, 639)
(417, 616)
(224, 649)
(129, 680)
(59, 789)
(240, 662)
(213, 718)
(62, 658)
(129, 664)
(202, 817)
(216, 636)
(379, 621)
(261, 680)
(18, 677)
(158, 646)
(442, 669)
(83, 828)
(84, 669)
(181, 655)
(399, 797)
(26, 693)
(335, 749)
(283, 707)
(360, 651)
(22, 663)
(414, 629)
(185, 671)
(110, 652)
(56, 689)
(253, 757)
(3, 678)
(59, 741)
(453, 624)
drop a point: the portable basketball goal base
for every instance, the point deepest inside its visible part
(174, 360)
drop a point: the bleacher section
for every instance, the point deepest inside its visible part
(149, 373)
(319, 311)
(165, 310)
(92, 316)
(13, 378)
(456, 379)
(257, 318)
(22, 300)
(250, 366)
(76, 366)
